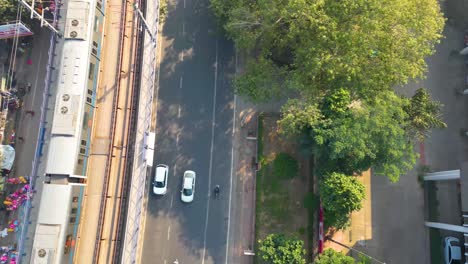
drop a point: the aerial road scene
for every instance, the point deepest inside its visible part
(234, 132)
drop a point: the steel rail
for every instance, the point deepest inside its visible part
(113, 129)
(129, 143)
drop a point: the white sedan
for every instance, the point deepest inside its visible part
(188, 186)
(160, 179)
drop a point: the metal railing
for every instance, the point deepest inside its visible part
(102, 208)
(138, 181)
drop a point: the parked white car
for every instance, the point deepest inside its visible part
(452, 250)
(160, 179)
(188, 186)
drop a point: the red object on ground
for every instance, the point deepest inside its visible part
(29, 62)
(321, 236)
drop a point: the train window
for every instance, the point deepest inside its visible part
(85, 120)
(91, 71)
(75, 199)
(90, 92)
(94, 51)
(72, 220)
(74, 210)
(83, 142)
(82, 151)
(96, 23)
(95, 44)
(89, 100)
(80, 162)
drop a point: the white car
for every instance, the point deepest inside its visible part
(188, 186)
(160, 179)
(452, 251)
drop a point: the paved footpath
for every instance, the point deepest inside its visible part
(242, 229)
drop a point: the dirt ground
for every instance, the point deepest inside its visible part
(280, 209)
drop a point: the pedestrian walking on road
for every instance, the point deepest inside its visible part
(30, 112)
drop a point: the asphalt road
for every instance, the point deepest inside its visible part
(193, 132)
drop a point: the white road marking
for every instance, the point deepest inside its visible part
(172, 200)
(35, 81)
(177, 139)
(213, 117)
(180, 82)
(178, 114)
(232, 168)
(184, 3)
(168, 232)
(183, 29)
(165, 261)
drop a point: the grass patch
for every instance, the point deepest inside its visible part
(432, 202)
(435, 238)
(285, 166)
(436, 245)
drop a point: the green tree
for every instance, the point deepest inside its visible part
(8, 9)
(423, 114)
(263, 74)
(363, 45)
(330, 256)
(340, 196)
(355, 135)
(279, 249)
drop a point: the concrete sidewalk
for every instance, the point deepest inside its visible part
(31, 67)
(242, 229)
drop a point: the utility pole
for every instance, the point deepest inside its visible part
(145, 24)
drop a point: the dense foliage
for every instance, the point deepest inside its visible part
(364, 45)
(423, 114)
(8, 10)
(341, 195)
(330, 256)
(279, 249)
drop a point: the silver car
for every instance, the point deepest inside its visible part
(188, 186)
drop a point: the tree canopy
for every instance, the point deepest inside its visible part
(364, 45)
(330, 256)
(8, 9)
(280, 249)
(350, 135)
(423, 114)
(341, 195)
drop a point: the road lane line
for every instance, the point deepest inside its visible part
(168, 232)
(180, 82)
(184, 3)
(178, 114)
(35, 81)
(177, 139)
(183, 29)
(213, 118)
(232, 167)
(172, 201)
